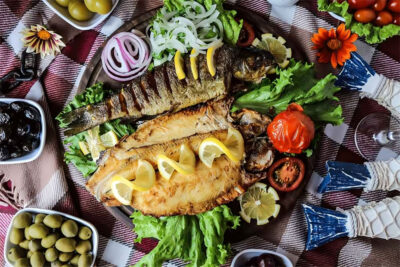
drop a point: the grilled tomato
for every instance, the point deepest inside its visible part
(247, 35)
(291, 131)
(286, 174)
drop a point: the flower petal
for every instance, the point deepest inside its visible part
(333, 60)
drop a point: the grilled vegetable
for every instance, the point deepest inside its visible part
(161, 91)
(286, 174)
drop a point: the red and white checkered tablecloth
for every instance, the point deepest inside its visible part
(60, 76)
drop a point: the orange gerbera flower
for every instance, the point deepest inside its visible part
(334, 45)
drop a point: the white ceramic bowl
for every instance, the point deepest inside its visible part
(283, 3)
(81, 25)
(95, 234)
(244, 256)
(37, 151)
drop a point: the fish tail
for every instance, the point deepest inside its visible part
(324, 225)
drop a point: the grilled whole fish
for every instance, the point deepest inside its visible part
(160, 91)
(182, 194)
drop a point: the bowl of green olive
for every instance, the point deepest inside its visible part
(82, 14)
(38, 237)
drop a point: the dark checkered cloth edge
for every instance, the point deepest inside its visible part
(60, 76)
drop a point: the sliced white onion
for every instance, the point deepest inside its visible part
(126, 56)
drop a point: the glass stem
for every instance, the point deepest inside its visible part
(385, 137)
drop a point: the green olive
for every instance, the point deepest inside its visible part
(38, 231)
(74, 260)
(63, 3)
(26, 234)
(22, 220)
(69, 228)
(22, 262)
(29, 254)
(85, 260)
(56, 264)
(79, 11)
(85, 233)
(65, 256)
(16, 236)
(66, 265)
(39, 217)
(50, 240)
(83, 246)
(24, 244)
(66, 244)
(53, 220)
(37, 259)
(51, 254)
(15, 253)
(99, 6)
(34, 245)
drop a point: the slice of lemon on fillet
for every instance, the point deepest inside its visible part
(259, 203)
(122, 188)
(212, 148)
(178, 60)
(276, 47)
(193, 64)
(211, 59)
(186, 164)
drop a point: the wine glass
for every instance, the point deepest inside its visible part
(376, 131)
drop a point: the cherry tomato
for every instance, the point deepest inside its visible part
(358, 4)
(394, 5)
(379, 5)
(396, 19)
(383, 18)
(286, 174)
(247, 35)
(365, 15)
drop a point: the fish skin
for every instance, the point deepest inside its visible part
(161, 91)
(165, 134)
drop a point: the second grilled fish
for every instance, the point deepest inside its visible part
(160, 91)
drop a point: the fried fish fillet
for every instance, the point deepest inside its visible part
(203, 190)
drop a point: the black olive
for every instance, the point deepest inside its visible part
(4, 153)
(17, 106)
(4, 134)
(35, 130)
(16, 152)
(5, 118)
(35, 143)
(32, 113)
(27, 147)
(23, 129)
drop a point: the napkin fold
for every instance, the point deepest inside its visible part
(39, 183)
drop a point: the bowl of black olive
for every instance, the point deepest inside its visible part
(22, 130)
(260, 258)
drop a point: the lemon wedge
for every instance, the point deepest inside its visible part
(259, 203)
(178, 60)
(84, 147)
(94, 143)
(109, 139)
(193, 64)
(186, 164)
(122, 189)
(276, 47)
(212, 148)
(210, 58)
(145, 176)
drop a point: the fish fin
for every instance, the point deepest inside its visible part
(324, 225)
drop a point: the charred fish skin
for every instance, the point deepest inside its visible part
(160, 91)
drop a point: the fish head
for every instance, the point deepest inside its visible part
(252, 65)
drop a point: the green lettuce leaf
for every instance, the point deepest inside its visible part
(197, 239)
(297, 83)
(373, 34)
(74, 155)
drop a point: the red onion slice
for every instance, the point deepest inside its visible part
(126, 56)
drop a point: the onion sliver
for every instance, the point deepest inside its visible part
(126, 56)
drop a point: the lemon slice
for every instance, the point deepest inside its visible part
(193, 64)
(122, 189)
(259, 203)
(109, 139)
(84, 147)
(178, 59)
(212, 148)
(186, 164)
(276, 47)
(95, 145)
(145, 176)
(210, 58)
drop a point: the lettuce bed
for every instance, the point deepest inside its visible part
(372, 34)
